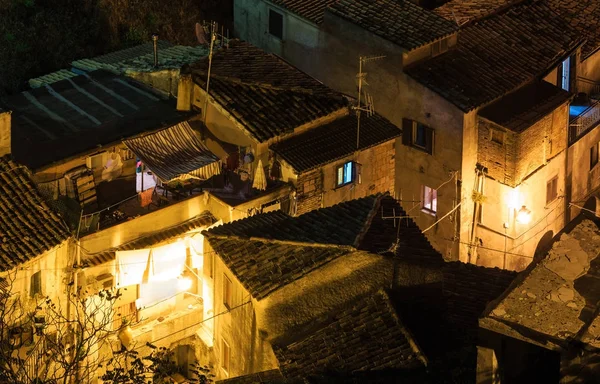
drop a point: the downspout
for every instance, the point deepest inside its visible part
(477, 206)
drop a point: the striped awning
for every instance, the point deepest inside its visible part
(172, 152)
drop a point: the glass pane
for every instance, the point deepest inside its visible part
(340, 176)
(434, 200)
(426, 197)
(347, 172)
(420, 139)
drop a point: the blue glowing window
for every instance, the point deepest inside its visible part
(345, 174)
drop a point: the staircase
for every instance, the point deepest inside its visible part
(85, 188)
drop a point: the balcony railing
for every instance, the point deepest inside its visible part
(589, 87)
(584, 122)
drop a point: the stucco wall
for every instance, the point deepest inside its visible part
(590, 67)
(582, 182)
(250, 351)
(514, 247)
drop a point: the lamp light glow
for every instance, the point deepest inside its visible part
(524, 215)
(184, 283)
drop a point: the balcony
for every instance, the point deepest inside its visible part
(583, 118)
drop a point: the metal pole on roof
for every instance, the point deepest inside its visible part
(213, 27)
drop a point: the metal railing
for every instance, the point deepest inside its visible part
(585, 121)
(589, 87)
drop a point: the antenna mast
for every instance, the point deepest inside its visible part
(213, 37)
(369, 100)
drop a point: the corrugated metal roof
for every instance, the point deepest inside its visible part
(172, 152)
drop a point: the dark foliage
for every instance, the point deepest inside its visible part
(41, 36)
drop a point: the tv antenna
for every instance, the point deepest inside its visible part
(368, 107)
(212, 29)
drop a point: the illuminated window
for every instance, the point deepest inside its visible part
(345, 174)
(227, 292)
(594, 155)
(35, 284)
(225, 356)
(551, 190)
(429, 202)
(275, 24)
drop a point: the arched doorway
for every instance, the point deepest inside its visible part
(543, 246)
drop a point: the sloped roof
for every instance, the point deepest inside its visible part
(497, 55)
(555, 302)
(318, 226)
(28, 227)
(367, 335)
(172, 152)
(79, 114)
(464, 11)
(202, 220)
(312, 10)
(335, 140)
(262, 92)
(272, 376)
(264, 266)
(521, 109)
(400, 21)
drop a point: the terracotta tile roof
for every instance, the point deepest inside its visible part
(312, 10)
(584, 17)
(555, 301)
(464, 11)
(497, 55)
(264, 266)
(201, 221)
(335, 140)
(272, 376)
(172, 152)
(28, 227)
(400, 21)
(521, 109)
(318, 226)
(79, 114)
(262, 92)
(469, 288)
(366, 336)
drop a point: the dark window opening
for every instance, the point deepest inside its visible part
(35, 287)
(552, 190)
(417, 135)
(276, 24)
(594, 155)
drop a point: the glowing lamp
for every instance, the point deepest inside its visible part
(524, 215)
(184, 283)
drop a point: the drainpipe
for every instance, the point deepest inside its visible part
(155, 45)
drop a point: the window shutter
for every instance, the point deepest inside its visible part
(572, 71)
(429, 137)
(357, 173)
(407, 128)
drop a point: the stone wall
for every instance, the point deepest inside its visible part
(376, 169)
(498, 158)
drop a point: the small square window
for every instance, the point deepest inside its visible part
(552, 190)
(420, 135)
(429, 201)
(594, 155)
(417, 135)
(35, 284)
(497, 136)
(225, 356)
(275, 24)
(227, 292)
(345, 174)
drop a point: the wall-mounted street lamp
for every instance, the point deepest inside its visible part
(523, 215)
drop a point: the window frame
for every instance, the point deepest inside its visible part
(409, 133)
(35, 281)
(269, 29)
(227, 292)
(597, 157)
(342, 168)
(502, 136)
(554, 193)
(432, 208)
(225, 357)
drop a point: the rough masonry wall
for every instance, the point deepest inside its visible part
(309, 193)
(530, 148)
(498, 158)
(317, 188)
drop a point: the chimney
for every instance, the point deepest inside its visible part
(5, 132)
(184, 91)
(155, 44)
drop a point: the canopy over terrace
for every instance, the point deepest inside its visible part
(175, 151)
